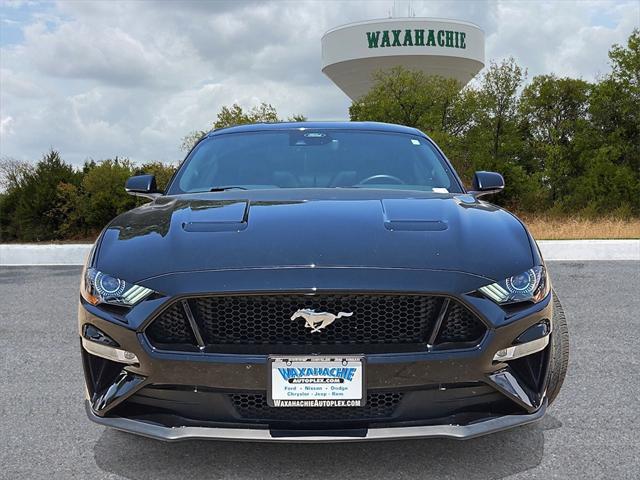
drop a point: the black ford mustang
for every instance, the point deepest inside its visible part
(318, 282)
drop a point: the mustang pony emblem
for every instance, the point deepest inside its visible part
(316, 321)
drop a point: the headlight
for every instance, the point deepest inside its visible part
(99, 287)
(531, 285)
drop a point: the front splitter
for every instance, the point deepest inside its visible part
(458, 432)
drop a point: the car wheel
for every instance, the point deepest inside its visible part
(559, 351)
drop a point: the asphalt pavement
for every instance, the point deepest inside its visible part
(592, 431)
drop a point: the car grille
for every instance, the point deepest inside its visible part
(459, 325)
(172, 327)
(262, 324)
(254, 407)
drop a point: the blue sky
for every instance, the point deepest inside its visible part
(96, 79)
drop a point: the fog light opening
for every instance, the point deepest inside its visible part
(110, 353)
(521, 350)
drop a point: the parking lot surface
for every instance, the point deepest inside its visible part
(590, 432)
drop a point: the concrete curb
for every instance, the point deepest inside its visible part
(552, 250)
(585, 250)
(24, 254)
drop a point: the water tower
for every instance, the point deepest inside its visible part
(352, 53)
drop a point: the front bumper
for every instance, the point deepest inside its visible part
(448, 394)
(176, 434)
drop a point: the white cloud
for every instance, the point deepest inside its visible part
(561, 37)
(5, 125)
(19, 85)
(98, 79)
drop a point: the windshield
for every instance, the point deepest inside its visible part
(314, 158)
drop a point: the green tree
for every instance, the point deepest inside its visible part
(35, 217)
(610, 151)
(103, 194)
(499, 105)
(409, 98)
(625, 64)
(13, 173)
(553, 122)
(236, 115)
(297, 117)
(68, 207)
(13, 176)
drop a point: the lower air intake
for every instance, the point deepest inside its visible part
(254, 407)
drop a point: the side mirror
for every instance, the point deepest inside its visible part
(142, 186)
(485, 183)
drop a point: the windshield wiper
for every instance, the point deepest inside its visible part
(231, 187)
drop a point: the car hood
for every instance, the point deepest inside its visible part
(372, 229)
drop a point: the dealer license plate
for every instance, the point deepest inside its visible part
(332, 381)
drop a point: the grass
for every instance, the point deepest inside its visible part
(572, 228)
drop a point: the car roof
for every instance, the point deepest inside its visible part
(370, 126)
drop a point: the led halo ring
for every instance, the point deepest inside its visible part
(532, 282)
(106, 291)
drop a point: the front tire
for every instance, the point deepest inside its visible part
(559, 352)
